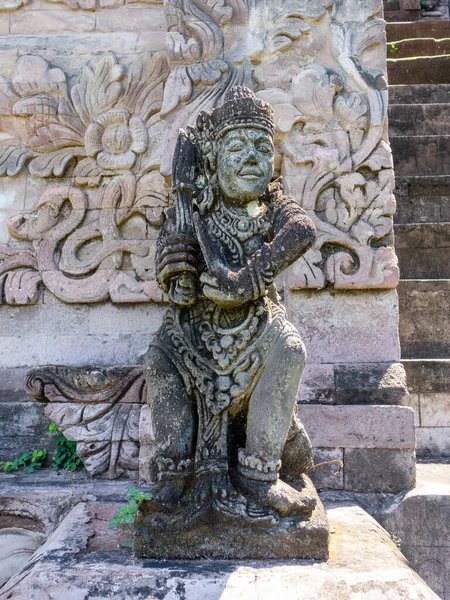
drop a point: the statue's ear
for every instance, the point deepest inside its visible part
(211, 161)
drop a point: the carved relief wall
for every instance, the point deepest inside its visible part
(109, 131)
(92, 96)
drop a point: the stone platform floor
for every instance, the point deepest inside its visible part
(78, 562)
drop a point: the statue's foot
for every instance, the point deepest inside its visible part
(166, 494)
(279, 496)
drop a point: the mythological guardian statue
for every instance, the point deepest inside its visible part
(223, 372)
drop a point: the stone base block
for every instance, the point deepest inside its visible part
(376, 470)
(421, 523)
(363, 562)
(216, 536)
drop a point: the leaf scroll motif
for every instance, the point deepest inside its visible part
(325, 132)
(99, 409)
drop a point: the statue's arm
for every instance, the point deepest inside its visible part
(294, 233)
(176, 253)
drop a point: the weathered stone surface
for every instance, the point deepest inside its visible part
(360, 383)
(433, 441)
(419, 119)
(388, 427)
(363, 560)
(428, 376)
(16, 547)
(381, 383)
(423, 250)
(351, 317)
(375, 470)
(420, 70)
(423, 29)
(424, 318)
(330, 474)
(419, 93)
(291, 538)
(435, 410)
(422, 523)
(424, 154)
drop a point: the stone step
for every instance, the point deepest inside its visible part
(425, 93)
(421, 154)
(419, 119)
(424, 322)
(423, 250)
(423, 199)
(422, 29)
(394, 16)
(418, 47)
(420, 69)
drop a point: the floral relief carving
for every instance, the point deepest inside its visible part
(94, 245)
(108, 122)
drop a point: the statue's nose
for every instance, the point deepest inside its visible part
(251, 157)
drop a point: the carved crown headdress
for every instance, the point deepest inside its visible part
(241, 108)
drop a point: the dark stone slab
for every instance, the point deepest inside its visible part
(422, 29)
(291, 538)
(424, 154)
(428, 376)
(370, 383)
(423, 250)
(426, 93)
(424, 318)
(419, 119)
(379, 470)
(423, 69)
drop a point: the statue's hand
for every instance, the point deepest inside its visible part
(178, 257)
(227, 288)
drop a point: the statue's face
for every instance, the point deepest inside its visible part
(245, 163)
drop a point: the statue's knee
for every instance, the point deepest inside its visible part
(294, 351)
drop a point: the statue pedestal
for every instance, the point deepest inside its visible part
(214, 538)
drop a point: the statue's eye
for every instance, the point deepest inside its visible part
(236, 147)
(264, 148)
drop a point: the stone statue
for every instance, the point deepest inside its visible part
(223, 371)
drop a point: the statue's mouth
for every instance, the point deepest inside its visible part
(250, 174)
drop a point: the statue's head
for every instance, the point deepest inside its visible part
(240, 144)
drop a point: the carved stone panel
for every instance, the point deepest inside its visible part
(111, 131)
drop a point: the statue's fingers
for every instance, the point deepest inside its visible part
(209, 280)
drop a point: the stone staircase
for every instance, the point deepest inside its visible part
(419, 127)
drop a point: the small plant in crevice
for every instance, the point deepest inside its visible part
(27, 461)
(393, 49)
(65, 456)
(126, 512)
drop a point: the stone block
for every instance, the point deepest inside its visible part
(23, 419)
(435, 410)
(413, 402)
(4, 24)
(419, 119)
(330, 474)
(317, 384)
(424, 318)
(428, 376)
(423, 250)
(105, 318)
(51, 21)
(425, 154)
(11, 385)
(75, 350)
(363, 562)
(379, 470)
(367, 321)
(373, 383)
(433, 442)
(417, 93)
(389, 427)
(422, 29)
(420, 70)
(131, 19)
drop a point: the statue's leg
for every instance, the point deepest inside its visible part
(270, 415)
(173, 419)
